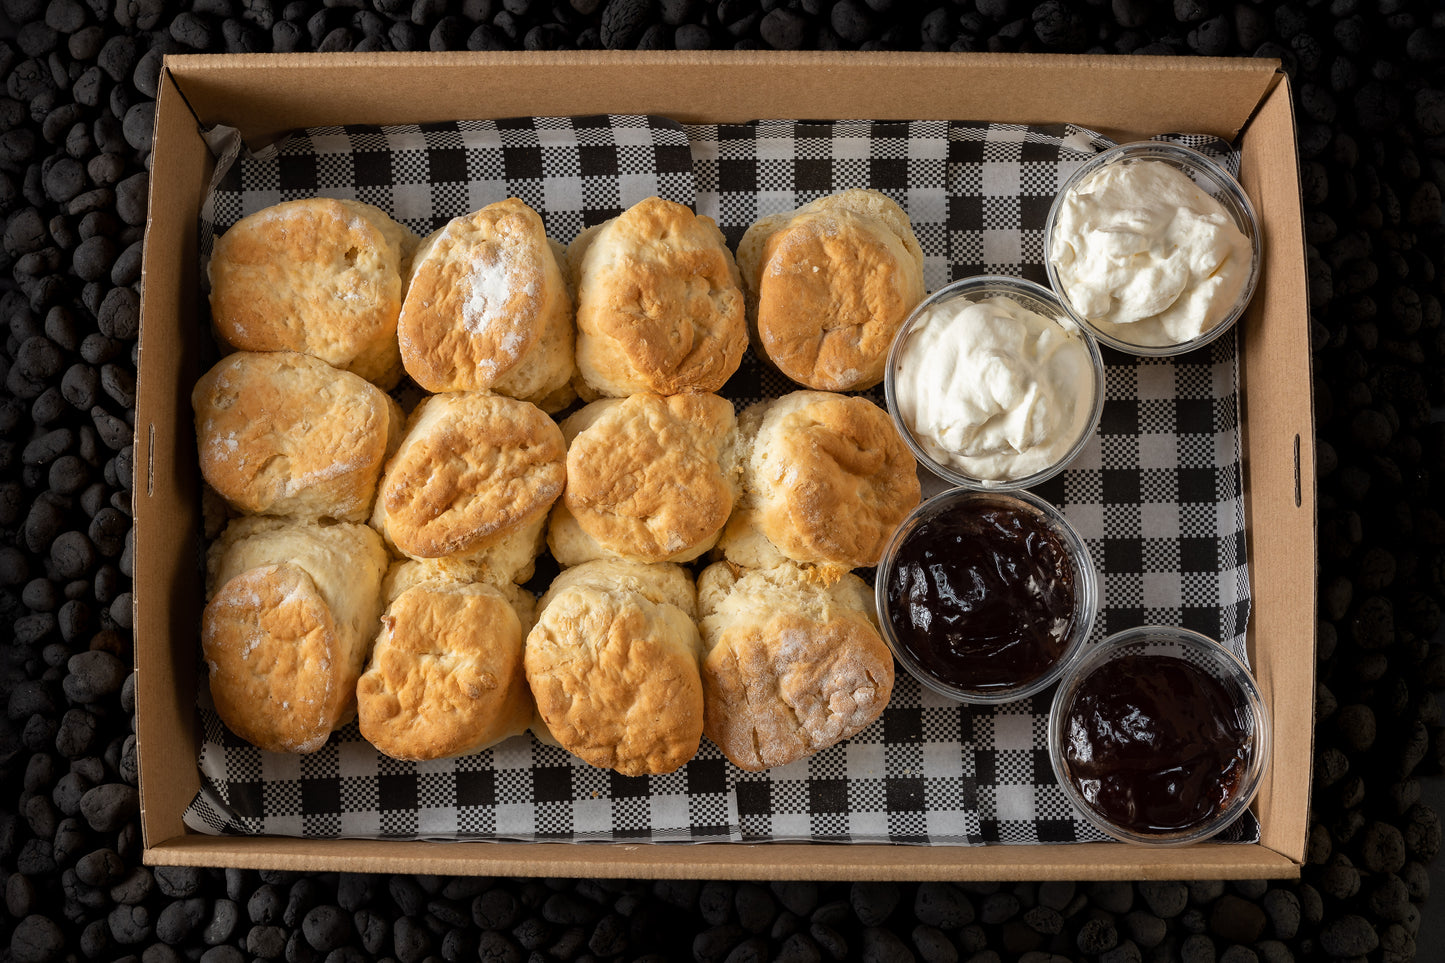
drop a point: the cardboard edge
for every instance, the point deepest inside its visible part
(1277, 441)
(165, 528)
(183, 848)
(770, 861)
(723, 86)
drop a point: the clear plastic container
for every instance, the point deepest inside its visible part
(941, 308)
(1209, 177)
(1175, 796)
(898, 602)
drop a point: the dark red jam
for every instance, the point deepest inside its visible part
(982, 596)
(1155, 744)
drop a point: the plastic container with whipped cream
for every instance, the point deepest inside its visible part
(993, 385)
(1153, 247)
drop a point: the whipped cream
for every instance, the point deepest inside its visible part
(1146, 255)
(993, 389)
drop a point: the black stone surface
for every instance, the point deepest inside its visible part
(76, 113)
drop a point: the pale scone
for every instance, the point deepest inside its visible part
(659, 303)
(487, 308)
(829, 285)
(293, 607)
(791, 666)
(649, 479)
(445, 677)
(321, 276)
(473, 479)
(613, 665)
(282, 433)
(826, 480)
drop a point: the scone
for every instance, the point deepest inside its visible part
(487, 308)
(613, 665)
(320, 276)
(791, 666)
(282, 433)
(649, 479)
(659, 307)
(293, 607)
(473, 479)
(826, 480)
(445, 677)
(829, 285)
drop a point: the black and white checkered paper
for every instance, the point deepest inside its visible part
(1156, 494)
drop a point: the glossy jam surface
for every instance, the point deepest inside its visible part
(1155, 744)
(982, 596)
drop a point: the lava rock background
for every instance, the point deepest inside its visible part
(76, 117)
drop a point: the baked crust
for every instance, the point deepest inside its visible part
(293, 608)
(446, 676)
(660, 307)
(283, 433)
(613, 666)
(826, 480)
(649, 478)
(320, 276)
(792, 666)
(472, 469)
(829, 285)
(487, 308)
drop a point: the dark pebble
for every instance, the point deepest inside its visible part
(1348, 936)
(874, 902)
(266, 941)
(109, 806)
(1096, 936)
(36, 939)
(1236, 920)
(129, 924)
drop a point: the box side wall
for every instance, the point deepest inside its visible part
(267, 94)
(1280, 472)
(724, 861)
(275, 93)
(167, 509)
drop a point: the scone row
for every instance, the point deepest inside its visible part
(616, 666)
(614, 663)
(649, 301)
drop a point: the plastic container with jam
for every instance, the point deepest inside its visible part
(1159, 736)
(986, 597)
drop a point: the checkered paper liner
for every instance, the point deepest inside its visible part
(1156, 494)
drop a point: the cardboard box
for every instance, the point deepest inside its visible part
(1126, 98)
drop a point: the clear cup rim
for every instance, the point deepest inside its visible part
(977, 286)
(1240, 209)
(1086, 593)
(1222, 657)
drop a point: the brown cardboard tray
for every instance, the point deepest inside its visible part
(264, 96)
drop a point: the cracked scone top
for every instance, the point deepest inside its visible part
(321, 276)
(487, 308)
(292, 609)
(649, 478)
(792, 666)
(659, 303)
(613, 665)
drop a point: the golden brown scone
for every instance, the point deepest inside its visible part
(826, 480)
(487, 308)
(320, 276)
(613, 666)
(473, 470)
(791, 666)
(829, 285)
(445, 677)
(649, 479)
(659, 307)
(293, 607)
(282, 433)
